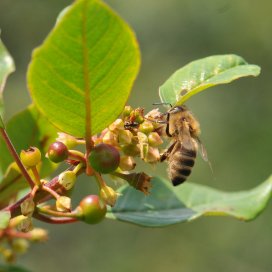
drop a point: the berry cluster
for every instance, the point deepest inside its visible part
(112, 152)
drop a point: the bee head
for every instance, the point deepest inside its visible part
(177, 109)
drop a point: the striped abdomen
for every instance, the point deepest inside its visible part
(180, 164)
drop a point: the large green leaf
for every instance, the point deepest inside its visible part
(168, 205)
(202, 74)
(85, 68)
(28, 128)
(6, 67)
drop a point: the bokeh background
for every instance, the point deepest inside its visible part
(236, 131)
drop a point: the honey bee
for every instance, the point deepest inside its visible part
(184, 129)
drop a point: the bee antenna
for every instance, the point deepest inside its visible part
(162, 103)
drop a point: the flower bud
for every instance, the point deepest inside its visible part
(67, 179)
(154, 139)
(28, 207)
(152, 155)
(126, 112)
(142, 138)
(131, 150)
(110, 138)
(25, 225)
(68, 140)
(30, 157)
(108, 195)
(127, 163)
(20, 245)
(63, 204)
(125, 137)
(146, 127)
(117, 125)
(38, 235)
(8, 255)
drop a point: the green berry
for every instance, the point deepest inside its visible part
(92, 209)
(104, 158)
(146, 127)
(30, 157)
(57, 152)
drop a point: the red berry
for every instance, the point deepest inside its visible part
(104, 158)
(57, 152)
(93, 210)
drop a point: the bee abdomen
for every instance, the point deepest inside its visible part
(180, 165)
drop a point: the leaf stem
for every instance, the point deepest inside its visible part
(16, 157)
(87, 91)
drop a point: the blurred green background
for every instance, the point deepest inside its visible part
(236, 131)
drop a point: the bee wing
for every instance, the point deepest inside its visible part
(204, 154)
(186, 139)
(203, 151)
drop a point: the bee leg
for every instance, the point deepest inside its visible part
(167, 153)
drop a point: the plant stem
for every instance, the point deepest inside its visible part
(51, 192)
(36, 176)
(16, 157)
(100, 180)
(47, 211)
(74, 154)
(54, 220)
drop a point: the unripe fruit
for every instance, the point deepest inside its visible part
(104, 158)
(30, 157)
(92, 210)
(67, 179)
(57, 152)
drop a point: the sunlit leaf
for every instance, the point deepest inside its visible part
(168, 205)
(6, 67)
(202, 74)
(92, 51)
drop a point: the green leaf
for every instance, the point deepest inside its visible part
(4, 219)
(2, 125)
(168, 205)
(202, 74)
(91, 51)
(10, 184)
(28, 128)
(6, 67)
